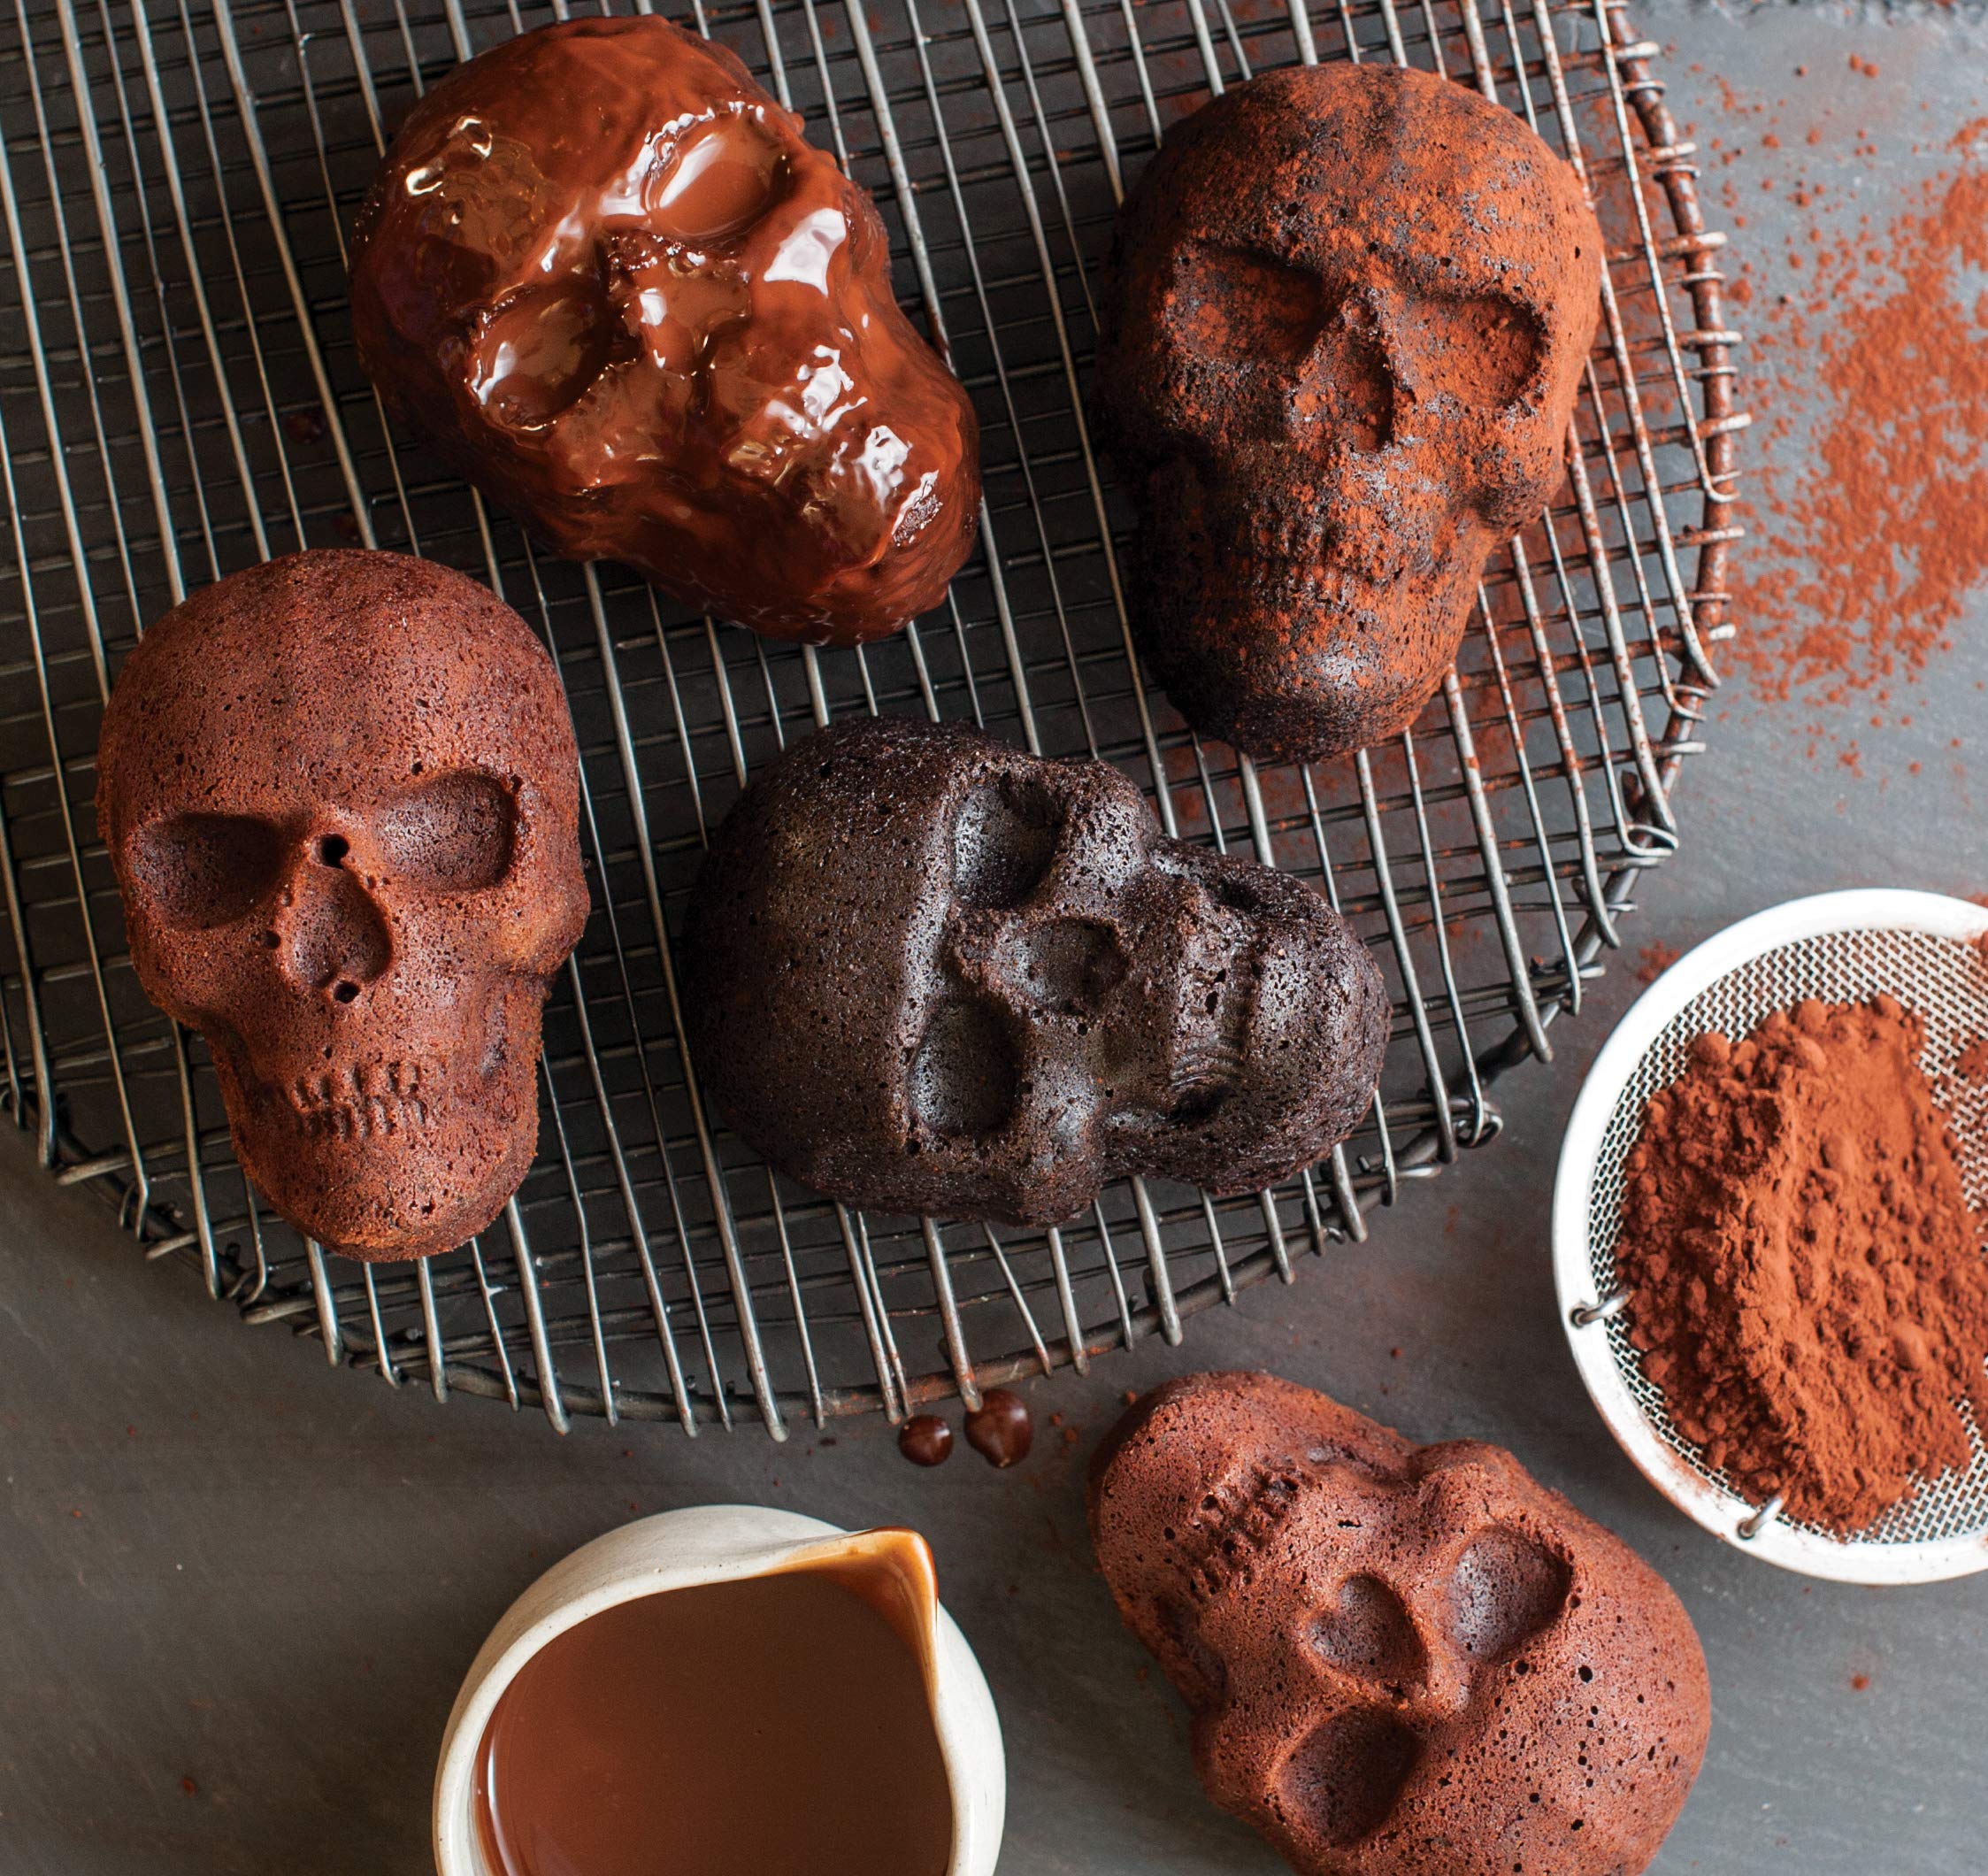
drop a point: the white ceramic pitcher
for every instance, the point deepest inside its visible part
(721, 1544)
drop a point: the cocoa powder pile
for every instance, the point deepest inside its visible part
(1809, 1285)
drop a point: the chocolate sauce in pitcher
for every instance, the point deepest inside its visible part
(777, 1726)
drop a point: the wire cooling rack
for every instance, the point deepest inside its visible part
(179, 398)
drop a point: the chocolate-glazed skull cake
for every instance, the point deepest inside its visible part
(604, 273)
(1401, 1659)
(341, 793)
(926, 972)
(1345, 322)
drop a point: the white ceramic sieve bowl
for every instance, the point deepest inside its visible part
(1843, 947)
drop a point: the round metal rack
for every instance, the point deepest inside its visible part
(179, 398)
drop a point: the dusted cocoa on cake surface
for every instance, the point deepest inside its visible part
(926, 972)
(607, 277)
(1400, 1660)
(1346, 317)
(340, 794)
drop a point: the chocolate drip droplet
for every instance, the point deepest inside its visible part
(1000, 1429)
(926, 1440)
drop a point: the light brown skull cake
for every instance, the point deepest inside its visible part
(1401, 1660)
(927, 971)
(1348, 310)
(607, 277)
(341, 793)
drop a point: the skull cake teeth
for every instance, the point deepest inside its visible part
(340, 794)
(1401, 1659)
(927, 972)
(603, 273)
(1348, 311)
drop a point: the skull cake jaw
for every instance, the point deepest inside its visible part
(997, 986)
(1348, 312)
(1400, 1658)
(341, 793)
(607, 277)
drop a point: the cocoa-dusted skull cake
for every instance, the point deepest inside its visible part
(341, 793)
(926, 972)
(1345, 326)
(605, 274)
(1400, 1660)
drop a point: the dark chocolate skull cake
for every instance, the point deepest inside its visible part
(341, 793)
(926, 972)
(620, 293)
(1401, 1660)
(1347, 313)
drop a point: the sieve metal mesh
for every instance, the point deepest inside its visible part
(180, 397)
(1943, 980)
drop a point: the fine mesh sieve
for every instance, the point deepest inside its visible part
(1842, 948)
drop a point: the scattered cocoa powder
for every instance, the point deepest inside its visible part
(1809, 1287)
(1869, 560)
(1655, 959)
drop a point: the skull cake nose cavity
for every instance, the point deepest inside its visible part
(1068, 965)
(1368, 1632)
(337, 940)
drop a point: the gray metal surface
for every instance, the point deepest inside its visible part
(182, 398)
(222, 1563)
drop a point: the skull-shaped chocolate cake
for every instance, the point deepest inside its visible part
(605, 274)
(1401, 1659)
(927, 972)
(342, 796)
(1347, 315)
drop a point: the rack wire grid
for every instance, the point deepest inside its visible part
(179, 398)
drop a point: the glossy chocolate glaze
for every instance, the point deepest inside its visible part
(605, 274)
(777, 1724)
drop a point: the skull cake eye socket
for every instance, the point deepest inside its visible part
(1230, 306)
(1505, 1590)
(1004, 839)
(726, 176)
(1345, 1778)
(538, 351)
(201, 871)
(1482, 350)
(965, 1079)
(454, 835)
